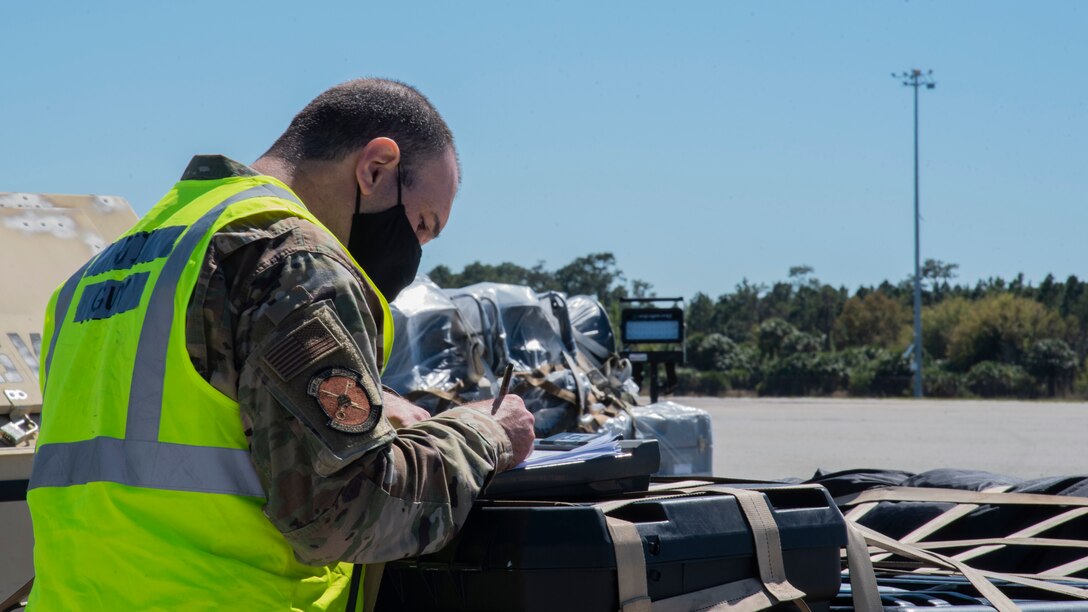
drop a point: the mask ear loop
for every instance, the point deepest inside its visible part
(359, 192)
(399, 203)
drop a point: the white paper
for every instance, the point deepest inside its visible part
(601, 446)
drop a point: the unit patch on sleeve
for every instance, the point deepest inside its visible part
(341, 395)
(312, 366)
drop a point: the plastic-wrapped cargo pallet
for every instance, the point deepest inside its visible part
(684, 436)
(450, 343)
(533, 342)
(435, 353)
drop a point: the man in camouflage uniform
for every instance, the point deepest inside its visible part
(414, 482)
(290, 334)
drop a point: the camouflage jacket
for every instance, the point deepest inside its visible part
(375, 495)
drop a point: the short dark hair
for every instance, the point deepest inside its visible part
(346, 117)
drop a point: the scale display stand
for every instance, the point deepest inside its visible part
(653, 335)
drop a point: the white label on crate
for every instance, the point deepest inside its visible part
(16, 395)
(681, 468)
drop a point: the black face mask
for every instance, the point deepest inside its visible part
(385, 245)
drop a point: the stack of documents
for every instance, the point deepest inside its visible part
(603, 445)
(578, 466)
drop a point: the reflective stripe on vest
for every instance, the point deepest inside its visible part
(140, 460)
(140, 463)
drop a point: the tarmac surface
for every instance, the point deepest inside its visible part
(774, 438)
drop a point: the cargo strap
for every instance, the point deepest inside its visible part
(863, 587)
(957, 496)
(747, 595)
(539, 378)
(630, 566)
(976, 577)
(582, 400)
(1028, 532)
(913, 548)
(447, 398)
(595, 348)
(968, 501)
(942, 520)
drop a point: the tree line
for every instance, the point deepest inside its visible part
(800, 336)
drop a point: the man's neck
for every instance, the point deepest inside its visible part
(311, 184)
(276, 168)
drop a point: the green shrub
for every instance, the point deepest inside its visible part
(873, 319)
(1003, 328)
(800, 342)
(861, 380)
(940, 382)
(771, 336)
(687, 381)
(993, 379)
(717, 352)
(876, 371)
(860, 356)
(744, 378)
(804, 374)
(938, 323)
(1053, 363)
(694, 382)
(777, 338)
(1080, 384)
(892, 374)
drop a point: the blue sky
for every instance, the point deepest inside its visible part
(701, 142)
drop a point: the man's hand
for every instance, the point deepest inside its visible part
(515, 420)
(401, 412)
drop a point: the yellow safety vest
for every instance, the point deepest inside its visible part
(143, 495)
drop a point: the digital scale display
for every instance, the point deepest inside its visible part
(652, 325)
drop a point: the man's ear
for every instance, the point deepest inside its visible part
(377, 162)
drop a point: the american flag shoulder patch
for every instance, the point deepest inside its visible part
(300, 349)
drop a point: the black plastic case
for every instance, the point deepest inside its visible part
(549, 556)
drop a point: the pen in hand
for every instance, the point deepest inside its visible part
(503, 387)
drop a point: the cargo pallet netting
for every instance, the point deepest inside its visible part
(986, 549)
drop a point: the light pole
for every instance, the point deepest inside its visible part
(916, 78)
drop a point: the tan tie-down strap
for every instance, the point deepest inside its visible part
(630, 566)
(941, 521)
(977, 579)
(863, 586)
(980, 579)
(447, 397)
(581, 400)
(968, 501)
(741, 596)
(744, 595)
(1027, 532)
(957, 496)
(539, 378)
(1063, 571)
